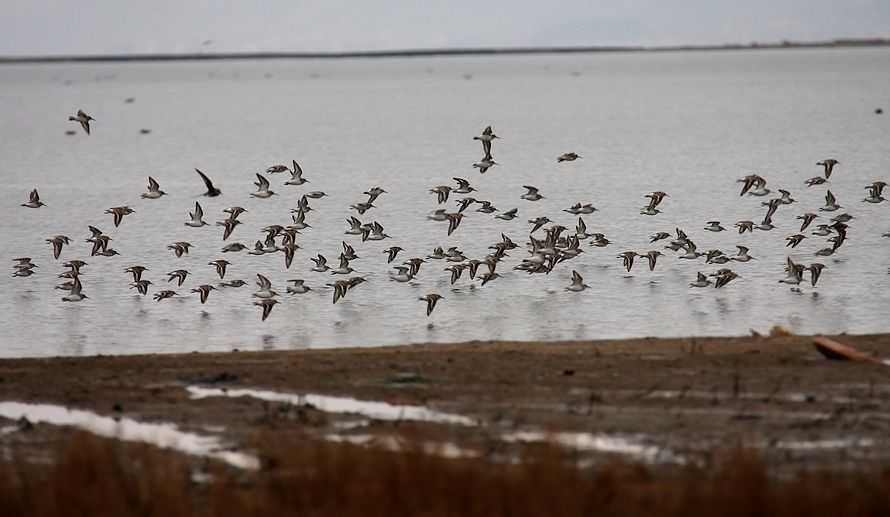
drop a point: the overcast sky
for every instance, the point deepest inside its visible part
(40, 27)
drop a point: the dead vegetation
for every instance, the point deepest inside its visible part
(93, 476)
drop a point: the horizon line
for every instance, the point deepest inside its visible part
(433, 52)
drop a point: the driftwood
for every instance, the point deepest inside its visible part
(838, 352)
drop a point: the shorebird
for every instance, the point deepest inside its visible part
(874, 192)
(163, 295)
(438, 215)
(578, 208)
(786, 197)
(267, 305)
(822, 230)
(488, 277)
(456, 270)
(234, 247)
(744, 226)
(815, 180)
(119, 212)
(154, 190)
(807, 220)
(756, 182)
(340, 288)
(701, 281)
(76, 293)
(532, 194)
(714, 226)
(794, 240)
(211, 190)
(229, 226)
(414, 265)
(578, 284)
(453, 222)
(75, 265)
(628, 259)
(509, 215)
(34, 200)
(321, 264)
(538, 222)
(179, 248)
(58, 241)
(599, 240)
(275, 169)
(463, 186)
(441, 193)
(462, 204)
(430, 300)
(296, 176)
(179, 275)
(815, 271)
(486, 136)
(196, 218)
(724, 277)
(362, 207)
(403, 275)
(136, 271)
(84, 120)
(742, 255)
(265, 288)
(289, 249)
(262, 185)
(348, 252)
(486, 208)
(374, 193)
(315, 194)
(691, 250)
(830, 203)
(766, 224)
(391, 253)
(825, 252)
(298, 287)
(344, 268)
(234, 283)
(657, 236)
(204, 291)
(652, 256)
(141, 286)
(795, 273)
(568, 157)
(655, 199)
(234, 211)
(220, 267)
(828, 164)
(485, 163)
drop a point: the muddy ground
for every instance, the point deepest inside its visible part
(691, 398)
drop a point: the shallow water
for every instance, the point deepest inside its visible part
(163, 435)
(330, 404)
(688, 123)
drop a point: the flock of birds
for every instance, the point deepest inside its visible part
(556, 245)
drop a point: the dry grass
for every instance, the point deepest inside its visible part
(92, 476)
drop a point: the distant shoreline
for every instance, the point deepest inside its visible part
(837, 43)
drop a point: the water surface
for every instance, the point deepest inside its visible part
(688, 123)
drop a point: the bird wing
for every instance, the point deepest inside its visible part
(152, 184)
(207, 181)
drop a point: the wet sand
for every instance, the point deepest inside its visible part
(689, 398)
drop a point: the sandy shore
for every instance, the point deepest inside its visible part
(685, 397)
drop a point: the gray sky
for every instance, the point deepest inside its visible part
(39, 27)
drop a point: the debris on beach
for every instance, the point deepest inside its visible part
(835, 351)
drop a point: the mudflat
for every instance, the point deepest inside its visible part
(685, 398)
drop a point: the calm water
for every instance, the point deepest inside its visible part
(685, 123)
